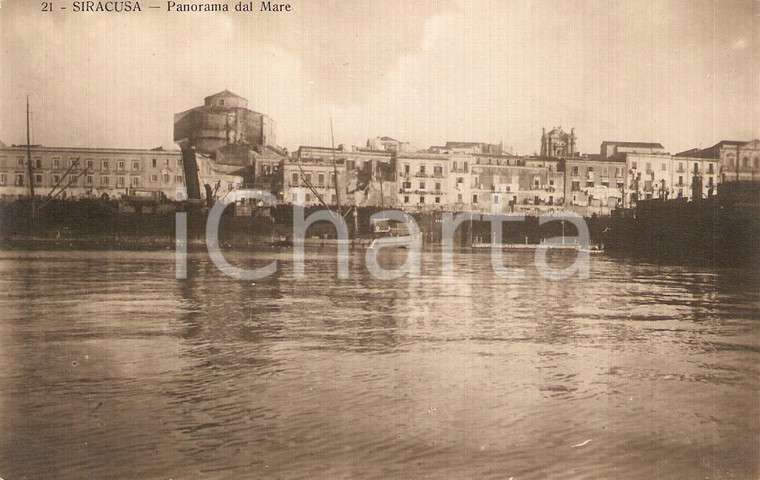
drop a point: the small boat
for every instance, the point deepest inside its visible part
(592, 249)
(391, 235)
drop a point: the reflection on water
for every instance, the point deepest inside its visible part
(111, 368)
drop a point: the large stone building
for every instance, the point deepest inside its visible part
(224, 120)
(231, 134)
(557, 143)
(91, 172)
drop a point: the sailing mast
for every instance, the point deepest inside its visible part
(335, 168)
(29, 168)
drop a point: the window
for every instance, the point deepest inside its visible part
(710, 167)
(680, 180)
(575, 186)
(104, 164)
(21, 162)
(633, 165)
(88, 163)
(406, 199)
(37, 163)
(696, 167)
(72, 179)
(321, 179)
(56, 163)
(649, 167)
(333, 200)
(437, 199)
(294, 179)
(465, 167)
(663, 167)
(536, 182)
(475, 198)
(179, 162)
(422, 169)
(308, 197)
(178, 179)
(154, 178)
(438, 186)
(575, 170)
(135, 165)
(459, 198)
(135, 181)
(454, 166)
(589, 184)
(422, 200)
(495, 199)
(19, 180)
(680, 166)
(3, 179)
(120, 164)
(350, 164)
(618, 171)
(406, 185)
(422, 185)
(460, 179)
(551, 183)
(294, 197)
(104, 181)
(167, 178)
(590, 169)
(120, 182)
(438, 171)
(74, 162)
(153, 162)
(56, 179)
(745, 162)
(38, 179)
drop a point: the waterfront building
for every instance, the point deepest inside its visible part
(365, 176)
(91, 172)
(694, 177)
(513, 187)
(648, 175)
(424, 180)
(595, 181)
(738, 160)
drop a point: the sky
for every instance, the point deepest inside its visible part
(682, 73)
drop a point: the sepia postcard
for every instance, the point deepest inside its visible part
(380, 239)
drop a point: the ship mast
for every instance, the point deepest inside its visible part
(335, 168)
(29, 168)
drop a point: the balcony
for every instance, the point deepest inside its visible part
(421, 175)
